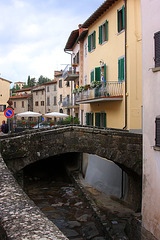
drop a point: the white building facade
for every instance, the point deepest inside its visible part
(151, 116)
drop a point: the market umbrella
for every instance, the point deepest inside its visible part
(29, 114)
(56, 114)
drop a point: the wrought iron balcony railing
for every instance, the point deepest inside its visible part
(112, 91)
(69, 102)
(70, 73)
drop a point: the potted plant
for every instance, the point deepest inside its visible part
(81, 89)
(95, 84)
(75, 90)
(74, 65)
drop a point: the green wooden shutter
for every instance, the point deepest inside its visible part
(94, 40)
(100, 34)
(97, 119)
(87, 118)
(122, 69)
(123, 17)
(118, 20)
(105, 73)
(92, 119)
(104, 119)
(89, 43)
(119, 69)
(106, 30)
(97, 74)
(92, 76)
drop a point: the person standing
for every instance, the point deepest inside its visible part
(4, 127)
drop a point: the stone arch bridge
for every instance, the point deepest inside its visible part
(20, 150)
(119, 146)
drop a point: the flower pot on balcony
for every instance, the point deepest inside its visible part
(74, 65)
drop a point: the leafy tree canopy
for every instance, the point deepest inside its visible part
(42, 80)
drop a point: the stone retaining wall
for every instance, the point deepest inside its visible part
(20, 218)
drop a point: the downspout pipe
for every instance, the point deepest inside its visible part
(71, 81)
(125, 3)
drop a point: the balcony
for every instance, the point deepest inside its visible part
(70, 73)
(69, 103)
(113, 91)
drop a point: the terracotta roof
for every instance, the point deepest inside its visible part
(23, 89)
(51, 82)
(20, 96)
(106, 5)
(5, 80)
(71, 40)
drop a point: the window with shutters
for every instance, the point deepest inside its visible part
(92, 75)
(92, 41)
(42, 103)
(60, 83)
(48, 101)
(55, 100)
(120, 19)
(61, 98)
(157, 139)
(103, 32)
(97, 74)
(2, 108)
(89, 119)
(157, 49)
(121, 68)
(100, 119)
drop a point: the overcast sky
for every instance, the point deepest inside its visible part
(33, 34)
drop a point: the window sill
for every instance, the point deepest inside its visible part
(92, 50)
(103, 42)
(156, 69)
(156, 148)
(120, 32)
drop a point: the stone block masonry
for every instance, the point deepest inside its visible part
(20, 218)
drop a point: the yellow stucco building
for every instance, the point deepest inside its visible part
(4, 97)
(115, 65)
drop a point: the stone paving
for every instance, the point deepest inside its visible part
(19, 216)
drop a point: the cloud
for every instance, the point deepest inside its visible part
(34, 34)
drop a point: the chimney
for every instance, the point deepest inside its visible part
(80, 29)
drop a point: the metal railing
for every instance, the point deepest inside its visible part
(112, 89)
(69, 102)
(69, 70)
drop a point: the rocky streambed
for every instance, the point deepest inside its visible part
(59, 199)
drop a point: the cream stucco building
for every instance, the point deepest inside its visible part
(115, 61)
(4, 97)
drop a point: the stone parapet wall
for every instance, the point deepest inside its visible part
(20, 218)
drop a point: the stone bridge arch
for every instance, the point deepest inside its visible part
(121, 147)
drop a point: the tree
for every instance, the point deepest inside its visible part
(17, 87)
(32, 82)
(42, 80)
(28, 81)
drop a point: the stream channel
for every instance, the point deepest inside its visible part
(48, 185)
